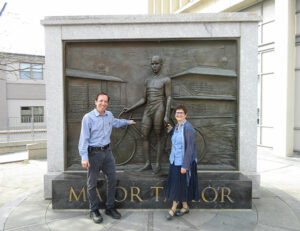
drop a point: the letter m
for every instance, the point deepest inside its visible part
(72, 192)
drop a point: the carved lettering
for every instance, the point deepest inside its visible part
(98, 194)
(226, 195)
(125, 193)
(156, 191)
(203, 194)
(72, 192)
(135, 194)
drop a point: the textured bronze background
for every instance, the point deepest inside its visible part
(204, 78)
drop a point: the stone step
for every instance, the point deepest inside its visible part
(218, 190)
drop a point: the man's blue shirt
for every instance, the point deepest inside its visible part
(96, 130)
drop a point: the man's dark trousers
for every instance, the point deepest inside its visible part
(105, 161)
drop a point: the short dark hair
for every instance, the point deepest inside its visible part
(102, 93)
(181, 107)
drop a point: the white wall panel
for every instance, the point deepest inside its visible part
(267, 135)
(268, 32)
(297, 99)
(267, 99)
(268, 62)
(268, 10)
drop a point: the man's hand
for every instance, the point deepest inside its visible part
(85, 163)
(132, 122)
(183, 170)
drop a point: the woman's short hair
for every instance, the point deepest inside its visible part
(181, 107)
(102, 93)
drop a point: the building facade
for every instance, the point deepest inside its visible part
(22, 91)
(278, 79)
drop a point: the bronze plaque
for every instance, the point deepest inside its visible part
(204, 77)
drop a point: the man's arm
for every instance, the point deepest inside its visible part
(139, 103)
(117, 123)
(168, 94)
(84, 142)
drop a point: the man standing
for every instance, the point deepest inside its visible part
(96, 154)
(157, 97)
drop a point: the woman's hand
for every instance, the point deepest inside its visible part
(183, 170)
(169, 127)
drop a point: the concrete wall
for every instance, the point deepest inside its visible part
(16, 92)
(15, 146)
(297, 82)
(14, 111)
(37, 150)
(26, 91)
(3, 104)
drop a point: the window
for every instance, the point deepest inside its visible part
(31, 71)
(32, 114)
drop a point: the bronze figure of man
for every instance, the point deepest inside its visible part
(157, 97)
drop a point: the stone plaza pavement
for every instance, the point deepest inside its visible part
(22, 206)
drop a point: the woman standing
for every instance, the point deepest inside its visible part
(182, 182)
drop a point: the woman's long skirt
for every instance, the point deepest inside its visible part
(177, 188)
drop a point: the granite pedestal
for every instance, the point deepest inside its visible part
(217, 190)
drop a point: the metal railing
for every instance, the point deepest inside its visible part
(24, 128)
(30, 119)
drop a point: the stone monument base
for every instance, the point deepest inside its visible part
(218, 190)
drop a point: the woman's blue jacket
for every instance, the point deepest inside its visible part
(190, 152)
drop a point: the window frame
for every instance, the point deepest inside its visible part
(32, 70)
(33, 118)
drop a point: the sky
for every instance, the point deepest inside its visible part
(20, 28)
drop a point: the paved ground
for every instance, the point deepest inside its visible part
(22, 206)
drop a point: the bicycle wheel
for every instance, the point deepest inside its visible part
(200, 145)
(123, 146)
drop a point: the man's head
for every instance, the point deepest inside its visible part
(156, 64)
(101, 102)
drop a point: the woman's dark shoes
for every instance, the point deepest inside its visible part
(182, 211)
(170, 214)
(113, 213)
(96, 216)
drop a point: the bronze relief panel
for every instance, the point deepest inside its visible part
(203, 74)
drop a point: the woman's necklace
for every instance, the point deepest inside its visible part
(179, 124)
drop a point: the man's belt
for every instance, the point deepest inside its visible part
(91, 148)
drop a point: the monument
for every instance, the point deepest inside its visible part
(148, 64)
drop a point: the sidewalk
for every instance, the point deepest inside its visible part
(22, 206)
(13, 157)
